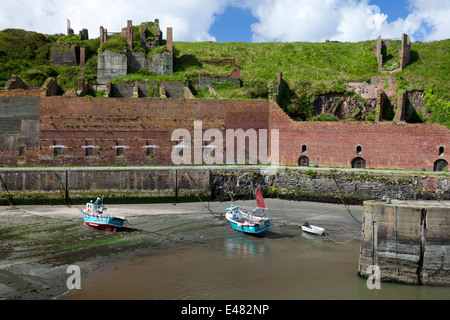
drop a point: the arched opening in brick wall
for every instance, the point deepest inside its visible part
(358, 150)
(440, 165)
(303, 161)
(358, 163)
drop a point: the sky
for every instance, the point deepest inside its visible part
(240, 20)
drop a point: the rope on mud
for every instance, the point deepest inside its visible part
(153, 233)
(342, 242)
(340, 197)
(65, 193)
(206, 206)
(10, 198)
(46, 217)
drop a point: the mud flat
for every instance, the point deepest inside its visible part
(39, 243)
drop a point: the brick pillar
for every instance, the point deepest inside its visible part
(401, 107)
(379, 107)
(405, 52)
(84, 34)
(279, 78)
(379, 54)
(170, 40)
(101, 36)
(69, 29)
(82, 57)
(130, 34)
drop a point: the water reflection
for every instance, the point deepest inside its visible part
(244, 247)
(287, 268)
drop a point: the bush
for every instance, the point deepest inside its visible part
(324, 117)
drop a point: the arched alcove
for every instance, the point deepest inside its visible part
(440, 164)
(303, 161)
(358, 162)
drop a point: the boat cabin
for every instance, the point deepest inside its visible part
(94, 208)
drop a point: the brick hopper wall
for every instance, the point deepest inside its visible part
(105, 125)
(381, 145)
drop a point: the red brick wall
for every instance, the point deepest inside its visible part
(383, 145)
(134, 123)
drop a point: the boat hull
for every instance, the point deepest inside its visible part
(101, 222)
(257, 229)
(314, 230)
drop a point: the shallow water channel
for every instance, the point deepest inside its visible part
(244, 267)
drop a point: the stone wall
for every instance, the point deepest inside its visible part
(205, 82)
(111, 65)
(66, 57)
(332, 186)
(407, 240)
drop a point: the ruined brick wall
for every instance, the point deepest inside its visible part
(66, 57)
(111, 65)
(121, 131)
(382, 145)
(405, 52)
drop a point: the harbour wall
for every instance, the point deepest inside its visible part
(217, 183)
(408, 241)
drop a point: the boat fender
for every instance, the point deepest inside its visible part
(239, 225)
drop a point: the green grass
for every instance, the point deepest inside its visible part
(309, 69)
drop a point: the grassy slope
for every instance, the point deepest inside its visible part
(308, 68)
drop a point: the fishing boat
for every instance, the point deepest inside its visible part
(93, 216)
(248, 222)
(312, 229)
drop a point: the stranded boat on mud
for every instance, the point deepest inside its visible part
(93, 217)
(246, 222)
(312, 229)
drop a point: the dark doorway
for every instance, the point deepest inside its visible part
(440, 165)
(303, 161)
(359, 163)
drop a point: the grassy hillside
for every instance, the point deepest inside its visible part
(308, 68)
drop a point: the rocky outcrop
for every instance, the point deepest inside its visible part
(343, 106)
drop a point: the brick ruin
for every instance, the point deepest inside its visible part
(115, 65)
(42, 129)
(404, 53)
(58, 131)
(383, 89)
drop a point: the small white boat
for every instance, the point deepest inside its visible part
(313, 229)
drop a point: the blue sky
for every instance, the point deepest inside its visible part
(240, 20)
(235, 23)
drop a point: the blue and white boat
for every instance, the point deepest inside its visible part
(248, 222)
(93, 216)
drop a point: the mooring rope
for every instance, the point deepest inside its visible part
(206, 206)
(342, 242)
(340, 197)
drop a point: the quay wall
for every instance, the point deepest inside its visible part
(217, 182)
(409, 241)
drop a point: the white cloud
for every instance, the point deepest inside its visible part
(190, 20)
(345, 20)
(278, 20)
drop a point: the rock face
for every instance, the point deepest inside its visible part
(343, 106)
(407, 240)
